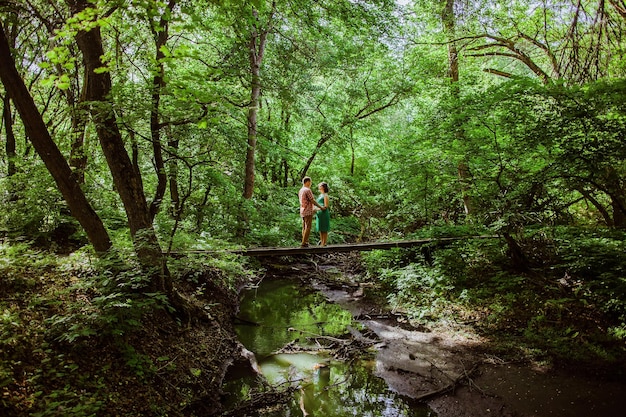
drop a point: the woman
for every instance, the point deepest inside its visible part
(322, 223)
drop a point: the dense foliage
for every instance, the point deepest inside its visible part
(568, 309)
(133, 128)
(357, 95)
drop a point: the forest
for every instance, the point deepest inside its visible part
(136, 134)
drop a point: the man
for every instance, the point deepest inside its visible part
(307, 201)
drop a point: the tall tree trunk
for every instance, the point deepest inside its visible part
(127, 180)
(285, 165)
(49, 152)
(619, 215)
(160, 31)
(7, 120)
(258, 41)
(78, 156)
(79, 116)
(615, 190)
(449, 22)
(465, 179)
(352, 152)
(134, 151)
(172, 142)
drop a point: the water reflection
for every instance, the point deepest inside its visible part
(287, 312)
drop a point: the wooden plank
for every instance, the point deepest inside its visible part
(282, 251)
(347, 247)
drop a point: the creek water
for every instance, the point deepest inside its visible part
(283, 312)
(280, 312)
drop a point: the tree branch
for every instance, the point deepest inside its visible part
(464, 376)
(516, 53)
(498, 72)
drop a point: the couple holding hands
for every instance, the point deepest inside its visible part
(309, 206)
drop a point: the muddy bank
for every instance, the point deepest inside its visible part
(451, 369)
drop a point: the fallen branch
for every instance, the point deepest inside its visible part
(464, 376)
(293, 347)
(239, 320)
(358, 336)
(319, 336)
(340, 348)
(373, 316)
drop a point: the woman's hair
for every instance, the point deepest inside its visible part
(323, 185)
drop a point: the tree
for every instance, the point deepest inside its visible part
(449, 23)
(36, 129)
(575, 41)
(7, 121)
(160, 32)
(256, 49)
(127, 179)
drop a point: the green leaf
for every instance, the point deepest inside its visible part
(49, 81)
(63, 83)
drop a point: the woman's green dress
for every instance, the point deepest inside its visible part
(322, 223)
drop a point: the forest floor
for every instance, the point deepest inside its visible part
(454, 369)
(65, 350)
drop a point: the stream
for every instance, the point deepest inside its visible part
(282, 312)
(289, 317)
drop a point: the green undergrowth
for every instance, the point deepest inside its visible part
(568, 306)
(78, 340)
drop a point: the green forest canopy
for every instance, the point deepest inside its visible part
(192, 122)
(132, 128)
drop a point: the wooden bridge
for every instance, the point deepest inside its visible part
(348, 247)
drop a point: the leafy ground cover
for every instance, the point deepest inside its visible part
(568, 307)
(71, 346)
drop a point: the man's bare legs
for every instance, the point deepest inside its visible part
(307, 222)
